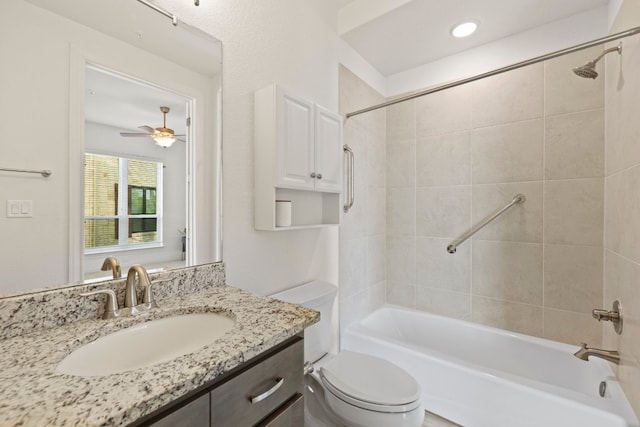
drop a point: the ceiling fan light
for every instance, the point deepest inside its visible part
(164, 141)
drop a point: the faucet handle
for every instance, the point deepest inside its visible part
(614, 316)
(147, 296)
(111, 306)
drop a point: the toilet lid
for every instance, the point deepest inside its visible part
(361, 378)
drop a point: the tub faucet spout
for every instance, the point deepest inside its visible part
(585, 351)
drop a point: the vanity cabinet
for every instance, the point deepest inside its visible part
(266, 391)
(298, 157)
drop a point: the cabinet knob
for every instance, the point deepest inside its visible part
(319, 176)
(313, 174)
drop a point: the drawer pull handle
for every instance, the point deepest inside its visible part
(262, 396)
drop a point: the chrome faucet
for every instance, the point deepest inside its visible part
(585, 351)
(111, 263)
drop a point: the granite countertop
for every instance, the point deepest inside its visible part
(33, 393)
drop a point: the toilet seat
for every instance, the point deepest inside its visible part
(370, 383)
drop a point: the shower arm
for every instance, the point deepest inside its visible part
(557, 53)
(612, 49)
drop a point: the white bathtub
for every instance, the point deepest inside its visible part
(479, 376)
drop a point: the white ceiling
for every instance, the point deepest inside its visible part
(127, 104)
(397, 35)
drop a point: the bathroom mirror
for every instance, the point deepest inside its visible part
(81, 73)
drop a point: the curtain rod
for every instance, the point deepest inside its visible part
(174, 18)
(535, 60)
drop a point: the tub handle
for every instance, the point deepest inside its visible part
(350, 178)
(262, 396)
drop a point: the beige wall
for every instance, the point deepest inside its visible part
(622, 212)
(456, 156)
(362, 231)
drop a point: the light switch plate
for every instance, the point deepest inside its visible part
(19, 208)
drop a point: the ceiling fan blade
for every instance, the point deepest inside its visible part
(128, 134)
(149, 129)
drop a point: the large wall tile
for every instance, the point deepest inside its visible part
(522, 222)
(614, 212)
(623, 104)
(507, 153)
(444, 160)
(573, 212)
(574, 145)
(401, 294)
(353, 274)
(508, 271)
(354, 92)
(443, 211)
(401, 164)
(401, 122)
(444, 112)
(573, 277)
(444, 303)
(401, 211)
(512, 316)
(572, 328)
(565, 92)
(622, 283)
(376, 211)
(353, 308)
(436, 268)
(376, 259)
(508, 97)
(376, 161)
(401, 260)
(623, 213)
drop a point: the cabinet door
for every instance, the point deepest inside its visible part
(294, 142)
(328, 151)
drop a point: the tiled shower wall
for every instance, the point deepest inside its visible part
(622, 213)
(456, 156)
(363, 229)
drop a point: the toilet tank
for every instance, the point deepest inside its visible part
(319, 296)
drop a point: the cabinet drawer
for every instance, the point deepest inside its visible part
(275, 379)
(291, 414)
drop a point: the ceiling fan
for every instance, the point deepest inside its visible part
(163, 136)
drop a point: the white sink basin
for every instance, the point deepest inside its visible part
(146, 344)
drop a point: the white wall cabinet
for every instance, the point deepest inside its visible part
(298, 157)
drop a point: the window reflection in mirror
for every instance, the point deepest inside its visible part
(135, 204)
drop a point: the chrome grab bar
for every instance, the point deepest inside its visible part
(517, 199)
(350, 179)
(44, 173)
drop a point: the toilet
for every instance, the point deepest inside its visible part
(350, 388)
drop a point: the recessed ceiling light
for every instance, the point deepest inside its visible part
(464, 29)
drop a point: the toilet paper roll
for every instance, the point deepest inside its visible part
(283, 213)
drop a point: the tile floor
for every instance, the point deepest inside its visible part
(432, 420)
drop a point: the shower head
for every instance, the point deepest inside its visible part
(588, 70)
